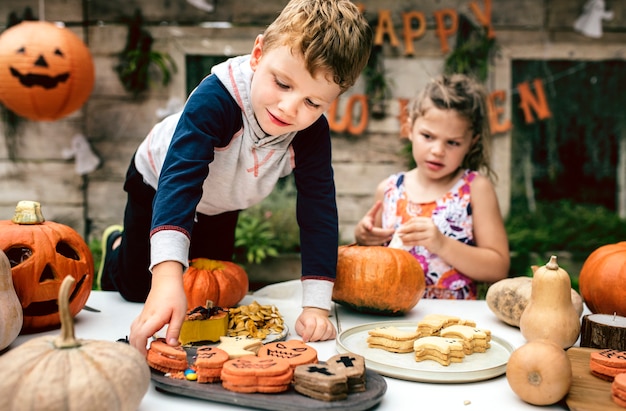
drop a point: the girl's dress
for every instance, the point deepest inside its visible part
(452, 214)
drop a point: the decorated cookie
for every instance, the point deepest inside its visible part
(473, 339)
(443, 350)
(432, 324)
(321, 382)
(608, 363)
(297, 352)
(250, 374)
(208, 363)
(354, 367)
(240, 346)
(165, 358)
(391, 339)
(618, 390)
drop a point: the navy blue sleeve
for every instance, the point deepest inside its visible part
(316, 204)
(209, 119)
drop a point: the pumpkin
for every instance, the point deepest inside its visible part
(42, 253)
(46, 71)
(602, 278)
(11, 317)
(224, 283)
(508, 298)
(378, 279)
(550, 313)
(539, 372)
(65, 373)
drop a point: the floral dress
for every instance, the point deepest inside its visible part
(452, 214)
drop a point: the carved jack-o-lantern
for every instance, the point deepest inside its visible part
(42, 253)
(46, 71)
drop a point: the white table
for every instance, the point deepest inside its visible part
(115, 316)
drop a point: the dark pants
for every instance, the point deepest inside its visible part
(212, 237)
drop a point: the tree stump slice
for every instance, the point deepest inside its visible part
(603, 331)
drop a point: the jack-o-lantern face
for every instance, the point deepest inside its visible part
(46, 72)
(297, 352)
(42, 254)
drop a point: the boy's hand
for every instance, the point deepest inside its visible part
(366, 231)
(313, 324)
(166, 304)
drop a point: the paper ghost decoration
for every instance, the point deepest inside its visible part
(590, 22)
(86, 160)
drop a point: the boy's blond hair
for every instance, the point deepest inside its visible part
(331, 35)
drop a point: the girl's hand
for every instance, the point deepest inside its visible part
(367, 233)
(421, 231)
(313, 324)
(166, 304)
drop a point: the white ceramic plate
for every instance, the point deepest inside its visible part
(475, 367)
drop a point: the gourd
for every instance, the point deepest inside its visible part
(508, 298)
(539, 372)
(41, 254)
(68, 374)
(378, 279)
(11, 317)
(602, 278)
(550, 313)
(222, 282)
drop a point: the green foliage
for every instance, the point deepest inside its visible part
(560, 226)
(472, 51)
(270, 227)
(95, 246)
(254, 240)
(138, 58)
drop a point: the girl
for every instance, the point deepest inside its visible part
(443, 211)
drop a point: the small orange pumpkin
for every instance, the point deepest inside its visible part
(42, 253)
(46, 71)
(222, 282)
(378, 279)
(602, 280)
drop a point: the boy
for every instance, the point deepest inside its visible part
(255, 119)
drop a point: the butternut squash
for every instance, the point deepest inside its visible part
(11, 314)
(550, 313)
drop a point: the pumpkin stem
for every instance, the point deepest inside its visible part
(66, 339)
(28, 212)
(552, 264)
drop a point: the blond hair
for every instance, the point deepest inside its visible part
(331, 35)
(468, 97)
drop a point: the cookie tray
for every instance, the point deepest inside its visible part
(286, 401)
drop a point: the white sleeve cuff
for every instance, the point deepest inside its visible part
(317, 293)
(169, 245)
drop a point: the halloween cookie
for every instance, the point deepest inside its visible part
(391, 339)
(208, 364)
(321, 382)
(432, 324)
(618, 390)
(608, 363)
(443, 350)
(166, 358)
(473, 339)
(354, 367)
(250, 374)
(240, 346)
(297, 352)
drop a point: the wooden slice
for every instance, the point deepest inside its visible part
(603, 331)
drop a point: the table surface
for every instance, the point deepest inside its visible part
(115, 316)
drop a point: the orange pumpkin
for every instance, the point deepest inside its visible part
(378, 280)
(222, 282)
(602, 278)
(46, 71)
(41, 254)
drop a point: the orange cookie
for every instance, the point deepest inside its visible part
(297, 352)
(606, 364)
(250, 373)
(166, 358)
(209, 363)
(618, 390)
